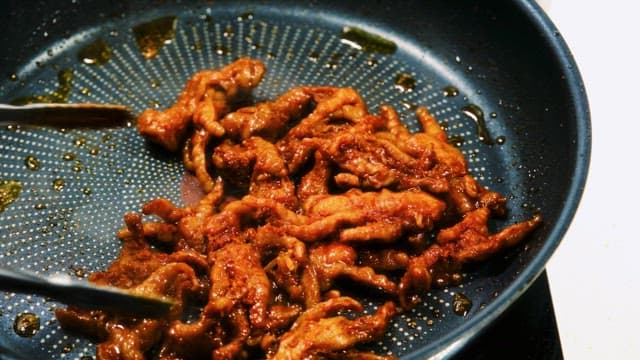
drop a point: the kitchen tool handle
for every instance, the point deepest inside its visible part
(66, 115)
(73, 292)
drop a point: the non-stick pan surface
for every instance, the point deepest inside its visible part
(503, 57)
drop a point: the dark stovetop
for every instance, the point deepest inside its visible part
(527, 330)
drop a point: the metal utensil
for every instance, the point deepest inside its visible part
(86, 115)
(79, 293)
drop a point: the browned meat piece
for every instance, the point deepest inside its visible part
(467, 195)
(256, 164)
(239, 331)
(316, 181)
(267, 120)
(384, 260)
(373, 216)
(270, 176)
(237, 276)
(382, 159)
(314, 333)
(234, 163)
(129, 342)
(469, 240)
(164, 209)
(188, 341)
(332, 104)
(90, 323)
(418, 278)
(198, 157)
(449, 159)
(286, 266)
(208, 95)
(136, 261)
(334, 260)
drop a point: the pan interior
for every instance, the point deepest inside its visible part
(76, 185)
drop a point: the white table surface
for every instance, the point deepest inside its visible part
(594, 273)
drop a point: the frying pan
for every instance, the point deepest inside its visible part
(504, 57)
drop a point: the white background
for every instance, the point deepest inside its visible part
(594, 273)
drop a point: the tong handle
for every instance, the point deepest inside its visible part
(83, 294)
(66, 115)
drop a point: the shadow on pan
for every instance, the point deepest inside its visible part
(503, 59)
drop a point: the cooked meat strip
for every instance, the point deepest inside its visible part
(268, 120)
(237, 276)
(373, 216)
(467, 241)
(315, 333)
(384, 259)
(335, 260)
(207, 96)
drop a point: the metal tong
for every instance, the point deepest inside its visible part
(65, 115)
(64, 289)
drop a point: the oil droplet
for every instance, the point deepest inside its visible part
(456, 140)
(313, 57)
(475, 113)
(67, 348)
(97, 52)
(500, 140)
(86, 191)
(13, 77)
(366, 41)
(493, 115)
(450, 91)
(155, 83)
(197, 46)
(151, 36)
(79, 141)
(228, 32)
(371, 62)
(154, 104)
(85, 91)
(105, 138)
(60, 95)
(408, 105)
(94, 151)
(245, 16)
(332, 64)
(40, 206)
(58, 184)
(221, 50)
(26, 324)
(405, 82)
(461, 304)
(9, 192)
(32, 163)
(69, 156)
(77, 167)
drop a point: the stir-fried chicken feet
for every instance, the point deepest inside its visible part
(300, 195)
